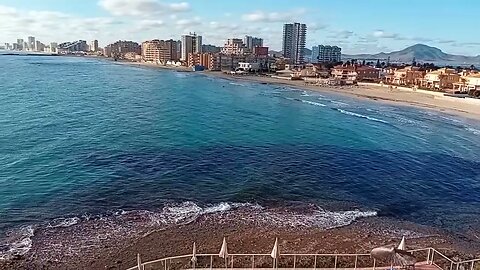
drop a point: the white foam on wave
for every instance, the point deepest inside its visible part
(473, 130)
(18, 243)
(63, 222)
(339, 103)
(362, 116)
(313, 103)
(322, 219)
(237, 84)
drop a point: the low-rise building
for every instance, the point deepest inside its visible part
(441, 79)
(326, 54)
(469, 83)
(248, 66)
(405, 76)
(356, 73)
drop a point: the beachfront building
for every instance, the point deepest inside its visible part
(234, 46)
(441, 79)
(252, 42)
(326, 54)
(31, 44)
(469, 83)
(355, 73)
(74, 46)
(248, 66)
(294, 39)
(159, 51)
(405, 76)
(191, 43)
(94, 46)
(121, 47)
(207, 60)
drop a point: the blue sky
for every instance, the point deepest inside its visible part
(357, 26)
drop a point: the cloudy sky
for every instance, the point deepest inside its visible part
(357, 26)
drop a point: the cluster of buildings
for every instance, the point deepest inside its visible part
(249, 54)
(31, 45)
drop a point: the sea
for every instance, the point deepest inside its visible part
(85, 140)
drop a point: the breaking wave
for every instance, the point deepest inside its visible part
(362, 116)
(77, 233)
(313, 103)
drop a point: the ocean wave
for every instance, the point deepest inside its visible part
(237, 84)
(305, 94)
(313, 103)
(18, 243)
(78, 233)
(362, 116)
(339, 103)
(473, 130)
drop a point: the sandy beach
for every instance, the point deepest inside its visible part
(468, 108)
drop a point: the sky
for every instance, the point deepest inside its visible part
(368, 26)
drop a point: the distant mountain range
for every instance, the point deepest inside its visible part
(421, 53)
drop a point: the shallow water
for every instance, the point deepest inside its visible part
(82, 137)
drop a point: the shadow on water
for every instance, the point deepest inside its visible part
(422, 187)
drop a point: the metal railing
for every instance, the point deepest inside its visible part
(429, 256)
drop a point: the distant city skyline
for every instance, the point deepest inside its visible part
(356, 27)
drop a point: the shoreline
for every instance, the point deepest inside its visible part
(400, 96)
(243, 236)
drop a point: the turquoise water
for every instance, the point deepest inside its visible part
(81, 136)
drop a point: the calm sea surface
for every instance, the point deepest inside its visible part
(81, 136)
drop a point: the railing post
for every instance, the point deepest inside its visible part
(374, 262)
(315, 263)
(473, 263)
(433, 254)
(165, 264)
(294, 261)
(451, 265)
(428, 255)
(211, 262)
(356, 260)
(253, 261)
(336, 259)
(458, 265)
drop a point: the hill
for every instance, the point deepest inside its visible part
(421, 53)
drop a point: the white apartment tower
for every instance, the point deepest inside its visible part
(294, 39)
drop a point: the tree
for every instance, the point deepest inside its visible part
(363, 62)
(472, 67)
(378, 64)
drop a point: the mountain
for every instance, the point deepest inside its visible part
(421, 53)
(307, 52)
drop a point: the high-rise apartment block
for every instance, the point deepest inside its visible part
(326, 54)
(294, 39)
(191, 43)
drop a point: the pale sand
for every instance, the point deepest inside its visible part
(468, 108)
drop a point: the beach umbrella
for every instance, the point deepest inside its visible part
(223, 251)
(401, 246)
(194, 255)
(139, 262)
(275, 252)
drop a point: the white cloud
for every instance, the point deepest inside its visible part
(137, 8)
(383, 34)
(261, 16)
